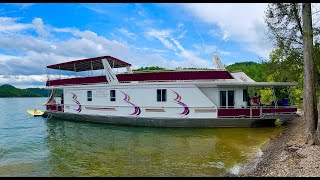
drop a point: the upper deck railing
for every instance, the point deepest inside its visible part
(145, 77)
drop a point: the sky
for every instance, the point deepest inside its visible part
(170, 35)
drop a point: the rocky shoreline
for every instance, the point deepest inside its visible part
(287, 155)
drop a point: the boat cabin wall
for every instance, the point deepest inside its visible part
(176, 101)
(214, 94)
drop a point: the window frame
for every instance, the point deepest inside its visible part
(113, 95)
(245, 95)
(161, 95)
(89, 98)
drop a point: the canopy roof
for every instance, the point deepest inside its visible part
(85, 64)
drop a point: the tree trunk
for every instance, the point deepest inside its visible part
(309, 101)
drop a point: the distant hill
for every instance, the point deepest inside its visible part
(7, 90)
(41, 91)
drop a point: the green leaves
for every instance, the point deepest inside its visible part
(252, 69)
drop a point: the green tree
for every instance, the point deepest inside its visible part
(151, 68)
(290, 28)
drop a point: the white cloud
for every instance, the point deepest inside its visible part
(23, 43)
(27, 67)
(241, 22)
(96, 8)
(224, 53)
(127, 33)
(205, 49)
(226, 36)
(5, 79)
(214, 33)
(28, 81)
(161, 35)
(182, 34)
(39, 26)
(9, 25)
(189, 57)
(180, 26)
(22, 5)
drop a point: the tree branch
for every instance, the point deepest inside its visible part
(296, 16)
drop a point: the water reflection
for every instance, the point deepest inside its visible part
(85, 149)
(35, 146)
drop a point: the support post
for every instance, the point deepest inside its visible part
(129, 71)
(260, 111)
(91, 69)
(289, 95)
(274, 97)
(111, 77)
(59, 73)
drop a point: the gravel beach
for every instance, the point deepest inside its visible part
(287, 155)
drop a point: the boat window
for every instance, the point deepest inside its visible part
(245, 95)
(223, 99)
(161, 95)
(112, 95)
(89, 95)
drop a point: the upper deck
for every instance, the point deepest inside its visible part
(145, 77)
(89, 64)
(96, 63)
(106, 63)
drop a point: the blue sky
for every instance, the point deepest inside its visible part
(33, 36)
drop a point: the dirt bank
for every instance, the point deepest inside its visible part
(288, 155)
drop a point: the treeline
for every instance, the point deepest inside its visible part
(7, 90)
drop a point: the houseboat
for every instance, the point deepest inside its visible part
(168, 98)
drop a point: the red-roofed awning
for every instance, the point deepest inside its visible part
(85, 64)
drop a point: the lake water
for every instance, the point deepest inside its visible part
(36, 146)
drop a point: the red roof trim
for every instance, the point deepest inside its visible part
(83, 64)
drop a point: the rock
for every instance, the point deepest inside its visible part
(291, 149)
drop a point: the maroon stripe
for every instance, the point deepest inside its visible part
(238, 112)
(275, 110)
(255, 112)
(108, 109)
(155, 76)
(54, 107)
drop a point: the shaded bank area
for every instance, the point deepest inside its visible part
(288, 155)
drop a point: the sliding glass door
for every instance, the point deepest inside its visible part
(227, 97)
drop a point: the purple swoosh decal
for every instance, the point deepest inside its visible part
(74, 97)
(186, 110)
(137, 110)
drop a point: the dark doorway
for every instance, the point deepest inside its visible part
(230, 99)
(223, 99)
